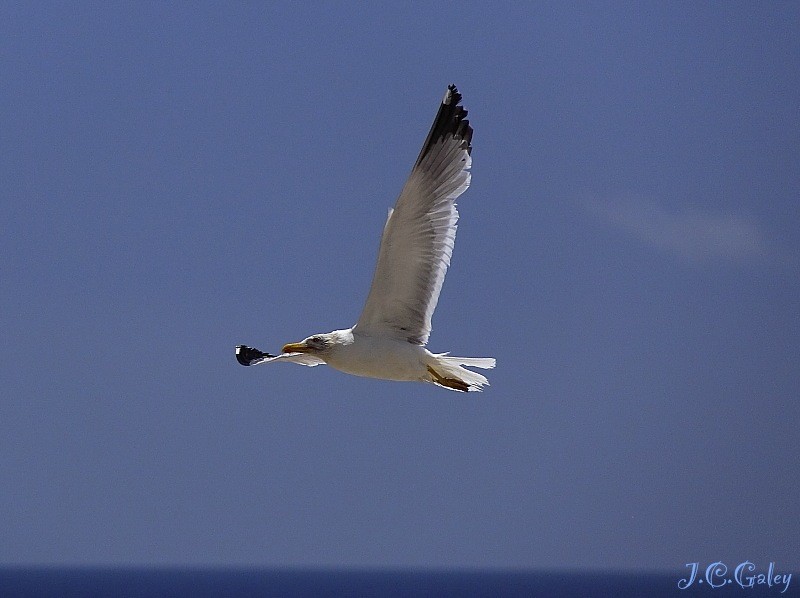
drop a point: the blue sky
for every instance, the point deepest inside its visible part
(177, 180)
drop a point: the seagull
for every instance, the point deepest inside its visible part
(388, 341)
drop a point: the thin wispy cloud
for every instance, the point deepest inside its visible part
(692, 235)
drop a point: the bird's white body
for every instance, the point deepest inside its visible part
(388, 342)
(389, 358)
(377, 357)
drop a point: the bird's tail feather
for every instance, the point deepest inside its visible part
(486, 363)
(447, 372)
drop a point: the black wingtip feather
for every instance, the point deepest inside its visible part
(451, 120)
(247, 355)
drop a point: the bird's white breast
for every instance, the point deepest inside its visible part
(379, 357)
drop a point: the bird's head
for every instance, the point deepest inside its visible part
(316, 344)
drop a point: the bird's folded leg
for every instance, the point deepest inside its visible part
(453, 383)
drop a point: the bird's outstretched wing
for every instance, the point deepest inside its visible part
(250, 356)
(418, 238)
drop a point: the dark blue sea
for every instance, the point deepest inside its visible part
(198, 583)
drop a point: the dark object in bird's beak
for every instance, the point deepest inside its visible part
(247, 355)
(296, 348)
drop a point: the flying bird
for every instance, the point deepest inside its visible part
(389, 339)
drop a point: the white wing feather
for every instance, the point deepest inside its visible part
(300, 358)
(418, 238)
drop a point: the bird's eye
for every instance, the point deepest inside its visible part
(315, 341)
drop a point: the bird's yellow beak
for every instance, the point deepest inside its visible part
(296, 348)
